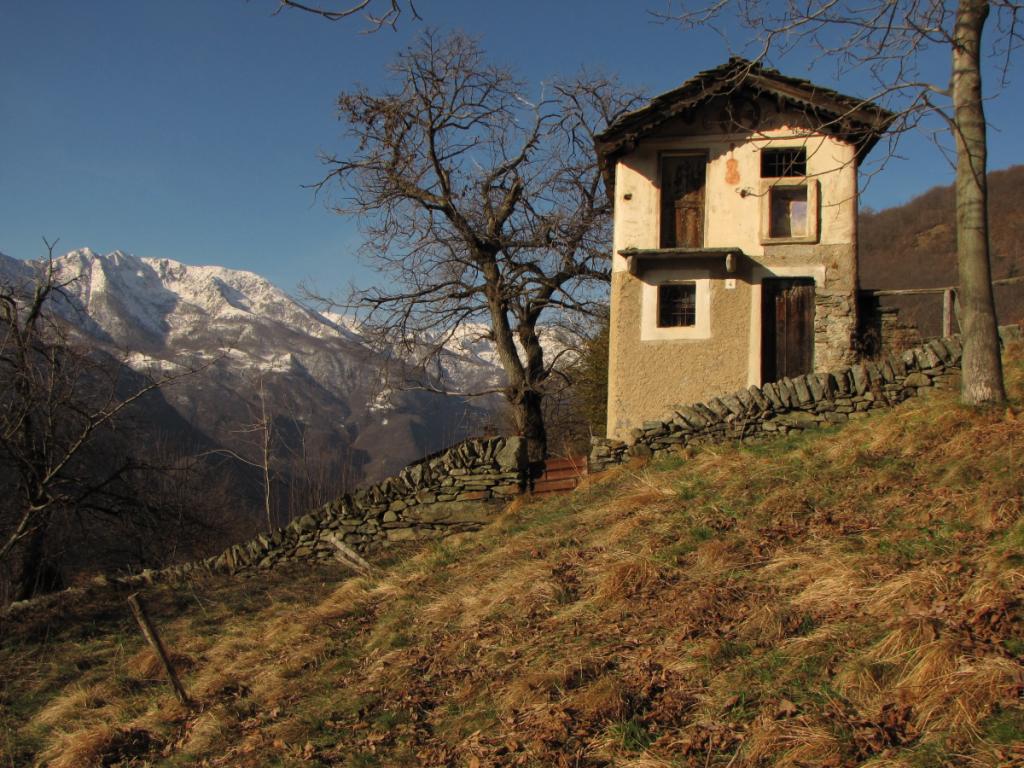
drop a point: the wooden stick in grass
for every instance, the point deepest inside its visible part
(149, 631)
(350, 557)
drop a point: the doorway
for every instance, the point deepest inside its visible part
(787, 327)
(682, 200)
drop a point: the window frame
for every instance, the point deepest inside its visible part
(654, 277)
(768, 187)
(766, 151)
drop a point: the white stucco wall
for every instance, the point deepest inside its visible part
(733, 189)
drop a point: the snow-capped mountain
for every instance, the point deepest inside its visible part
(319, 377)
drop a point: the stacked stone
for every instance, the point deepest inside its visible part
(897, 335)
(795, 404)
(605, 453)
(458, 489)
(834, 320)
(425, 500)
(449, 492)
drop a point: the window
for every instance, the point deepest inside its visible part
(789, 202)
(677, 305)
(783, 163)
(788, 212)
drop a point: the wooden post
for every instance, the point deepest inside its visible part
(350, 557)
(947, 312)
(149, 631)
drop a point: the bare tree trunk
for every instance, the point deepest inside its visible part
(529, 421)
(982, 379)
(266, 425)
(35, 574)
(530, 410)
(522, 395)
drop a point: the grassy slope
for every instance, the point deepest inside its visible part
(850, 597)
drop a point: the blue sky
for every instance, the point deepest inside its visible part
(186, 129)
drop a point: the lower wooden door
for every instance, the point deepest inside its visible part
(787, 327)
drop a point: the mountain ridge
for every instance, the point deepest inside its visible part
(317, 372)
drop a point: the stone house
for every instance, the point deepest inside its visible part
(735, 236)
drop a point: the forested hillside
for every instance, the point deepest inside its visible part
(914, 246)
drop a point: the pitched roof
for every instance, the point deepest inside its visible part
(855, 120)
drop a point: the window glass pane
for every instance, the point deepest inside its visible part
(788, 212)
(788, 162)
(677, 305)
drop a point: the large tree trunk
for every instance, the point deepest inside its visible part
(35, 574)
(982, 378)
(529, 421)
(533, 427)
(522, 395)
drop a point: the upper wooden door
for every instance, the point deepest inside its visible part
(682, 201)
(787, 327)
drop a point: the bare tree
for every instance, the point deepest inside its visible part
(479, 206)
(60, 405)
(888, 39)
(261, 435)
(314, 477)
(378, 15)
(295, 476)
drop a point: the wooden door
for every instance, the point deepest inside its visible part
(682, 201)
(787, 328)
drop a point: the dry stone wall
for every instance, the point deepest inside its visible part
(460, 489)
(456, 490)
(804, 402)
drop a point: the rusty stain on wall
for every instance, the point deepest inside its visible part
(732, 171)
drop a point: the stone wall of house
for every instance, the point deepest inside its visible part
(896, 335)
(835, 324)
(805, 402)
(459, 489)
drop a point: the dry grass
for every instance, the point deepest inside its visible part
(823, 581)
(958, 699)
(791, 744)
(207, 730)
(146, 665)
(628, 578)
(97, 747)
(851, 598)
(75, 702)
(916, 586)
(79, 749)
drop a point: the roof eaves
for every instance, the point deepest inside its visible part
(738, 71)
(860, 121)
